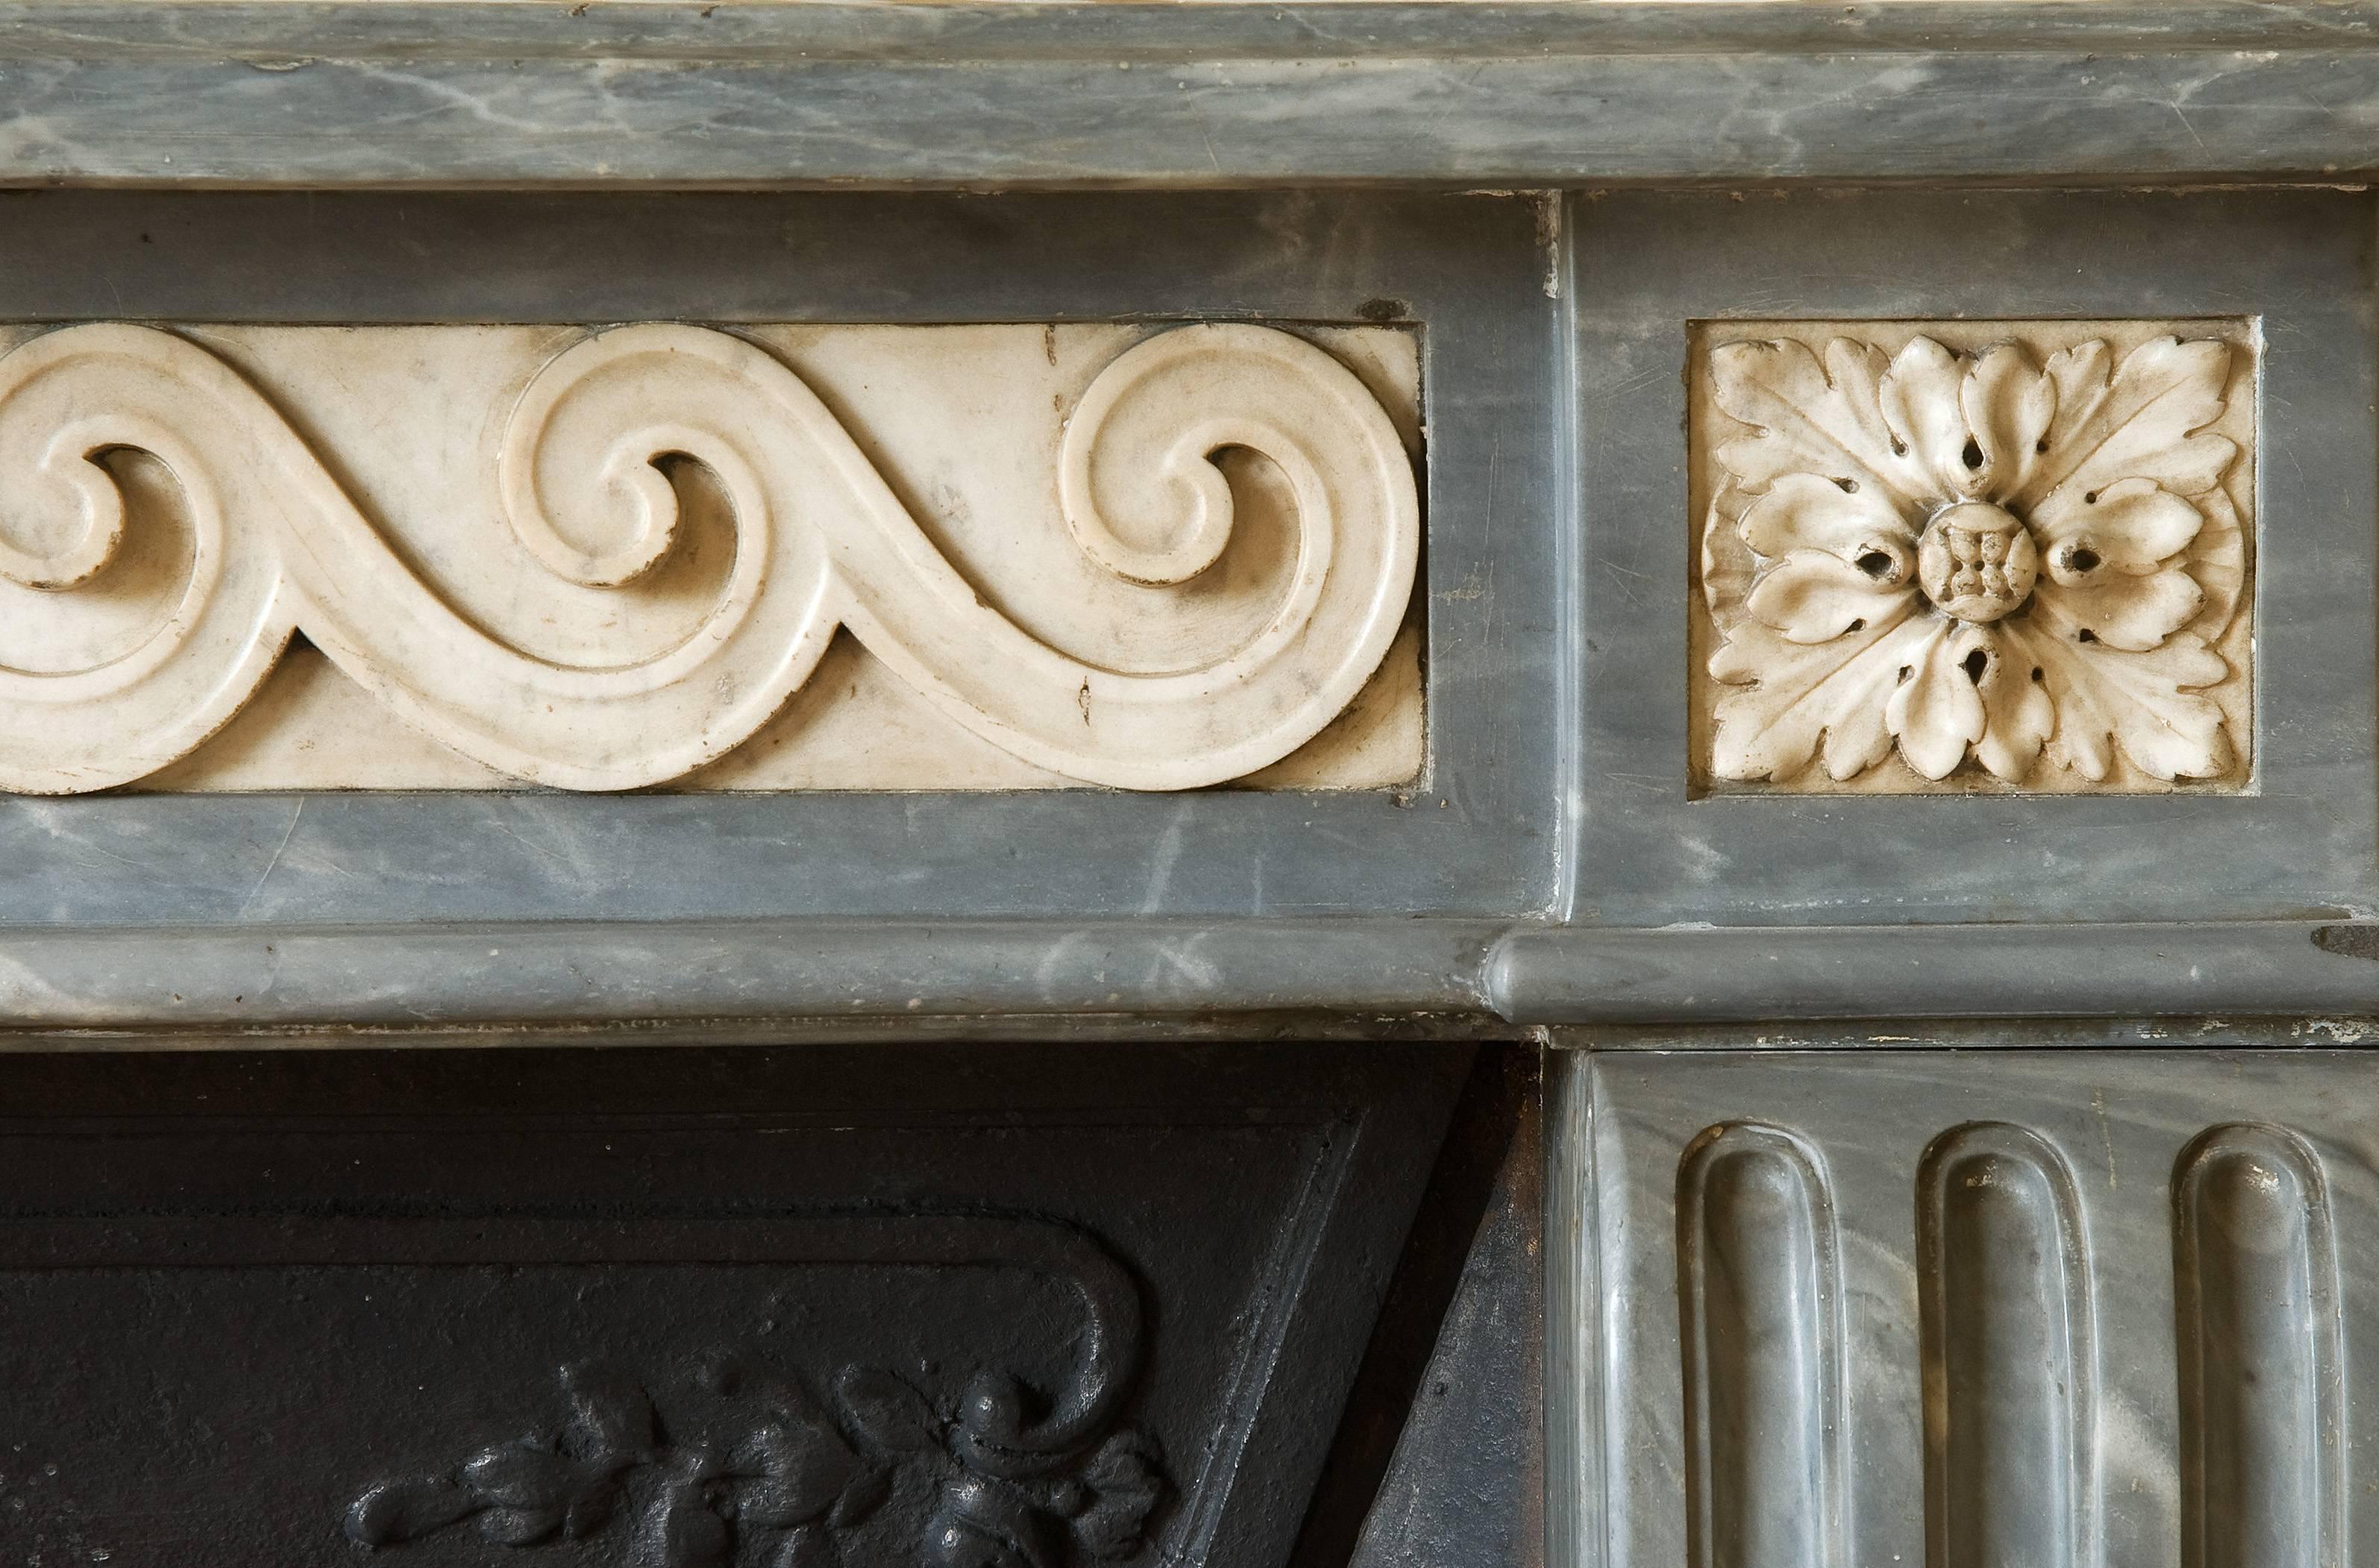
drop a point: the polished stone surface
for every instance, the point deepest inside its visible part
(1658, 846)
(2049, 1307)
(1523, 95)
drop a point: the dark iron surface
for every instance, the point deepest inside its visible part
(1020, 1308)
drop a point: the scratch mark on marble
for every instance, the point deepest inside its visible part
(112, 855)
(1183, 960)
(533, 846)
(278, 850)
(2105, 1135)
(1651, 783)
(1160, 875)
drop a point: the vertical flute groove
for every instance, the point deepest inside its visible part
(2256, 1308)
(1759, 1302)
(2009, 1353)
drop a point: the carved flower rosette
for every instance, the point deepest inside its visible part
(2015, 559)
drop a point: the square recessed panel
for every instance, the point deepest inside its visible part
(1691, 815)
(1957, 556)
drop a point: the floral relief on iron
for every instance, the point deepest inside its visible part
(1954, 557)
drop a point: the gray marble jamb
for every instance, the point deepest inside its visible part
(2182, 1373)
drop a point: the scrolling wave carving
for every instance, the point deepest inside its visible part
(279, 548)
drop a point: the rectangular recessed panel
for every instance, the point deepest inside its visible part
(758, 557)
(687, 1308)
(650, 555)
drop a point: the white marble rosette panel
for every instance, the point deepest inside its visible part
(1956, 556)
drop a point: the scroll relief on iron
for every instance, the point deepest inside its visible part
(1989, 556)
(737, 1460)
(738, 1464)
(103, 696)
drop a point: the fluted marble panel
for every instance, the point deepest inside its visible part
(2097, 1309)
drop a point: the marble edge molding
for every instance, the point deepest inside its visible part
(199, 978)
(616, 93)
(738, 31)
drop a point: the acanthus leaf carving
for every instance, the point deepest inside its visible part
(1990, 561)
(820, 542)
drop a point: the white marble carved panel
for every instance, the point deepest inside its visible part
(1961, 556)
(458, 557)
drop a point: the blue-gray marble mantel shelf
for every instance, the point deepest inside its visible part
(617, 92)
(1449, 975)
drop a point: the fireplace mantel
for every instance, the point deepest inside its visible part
(1381, 784)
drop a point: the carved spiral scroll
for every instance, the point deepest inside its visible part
(821, 542)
